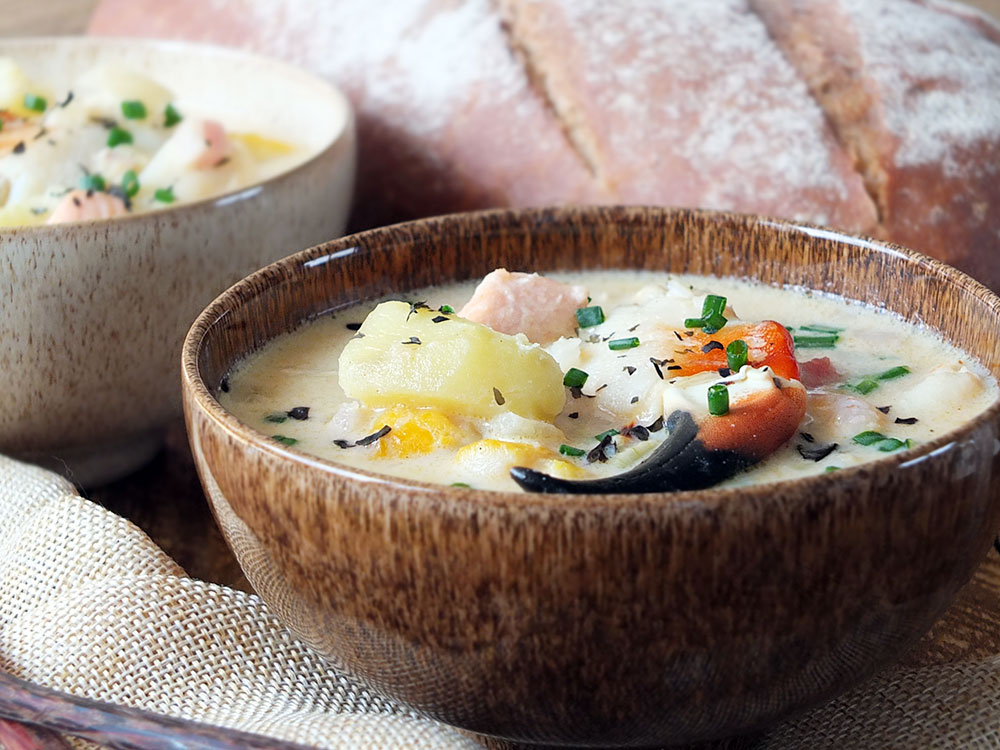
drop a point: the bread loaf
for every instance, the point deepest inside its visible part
(875, 116)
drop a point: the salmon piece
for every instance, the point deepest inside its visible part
(768, 344)
(818, 372)
(218, 149)
(87, 205)
(511, 303)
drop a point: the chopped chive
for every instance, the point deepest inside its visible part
(164, 195)
(868, 437)
(284, 440)
(737, 354)
(461, 484)
(713, 305)
(828, 469)
(894, 372)
(713, 323)
(617, 344)
(171, 116)
(892, 444)
(718, 400)
(35, 103)
(133, 109)
(569, 450)
(575, 378)
(589, 316)
(448, 309)
(864, 386)
(130, 183)
(870, 382)
(818, 328)
(93, 182)
(118, 136)
(276, 418)
(606, 433)
(712, 318)
(816, 342)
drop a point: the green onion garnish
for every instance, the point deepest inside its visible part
(718, 400)
(737, 354)
(605, 434)
(164, 195)
(712, 318)
(865, 386)
(284, 440)
(93, 182)
(460, 484)
(171, 116)
(575, 378)
(589, 316)
(880, 441)
(868, 437)
(117, 136)
(827, 341)
(714, 304)
(276, 418)
(134, 110)
(569, 450)
(869, 383)
(828, 469)
(894, 372)
(892, 444)
(817, 328)
(35, 103)
(447, 309)
(130, 183)
(630, 343)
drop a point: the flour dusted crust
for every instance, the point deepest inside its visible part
(688, 103)
(875, 116)
(913, 91)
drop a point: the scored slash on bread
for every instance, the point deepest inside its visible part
(688, 103)
(874, 116)
(916, 101)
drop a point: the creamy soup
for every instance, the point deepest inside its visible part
(115, 143)
(607, 382)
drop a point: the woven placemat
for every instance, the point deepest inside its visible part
(89, 605)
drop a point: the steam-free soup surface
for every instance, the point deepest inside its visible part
(589, 398)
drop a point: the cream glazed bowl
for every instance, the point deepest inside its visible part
(92, 314)
(636, 620)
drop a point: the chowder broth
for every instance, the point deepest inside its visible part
(118, 142)
(874, 384)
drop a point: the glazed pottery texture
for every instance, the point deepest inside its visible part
(92, 315)
(623, 620)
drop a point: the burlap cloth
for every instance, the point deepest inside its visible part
(89, 605)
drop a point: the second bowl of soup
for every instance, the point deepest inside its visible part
(602, 476)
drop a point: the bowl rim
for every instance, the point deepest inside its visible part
(197, 395)
(345, 131)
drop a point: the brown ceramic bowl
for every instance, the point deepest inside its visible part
(627, 620)
(93, 314)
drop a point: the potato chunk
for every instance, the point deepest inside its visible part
(455, 365)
